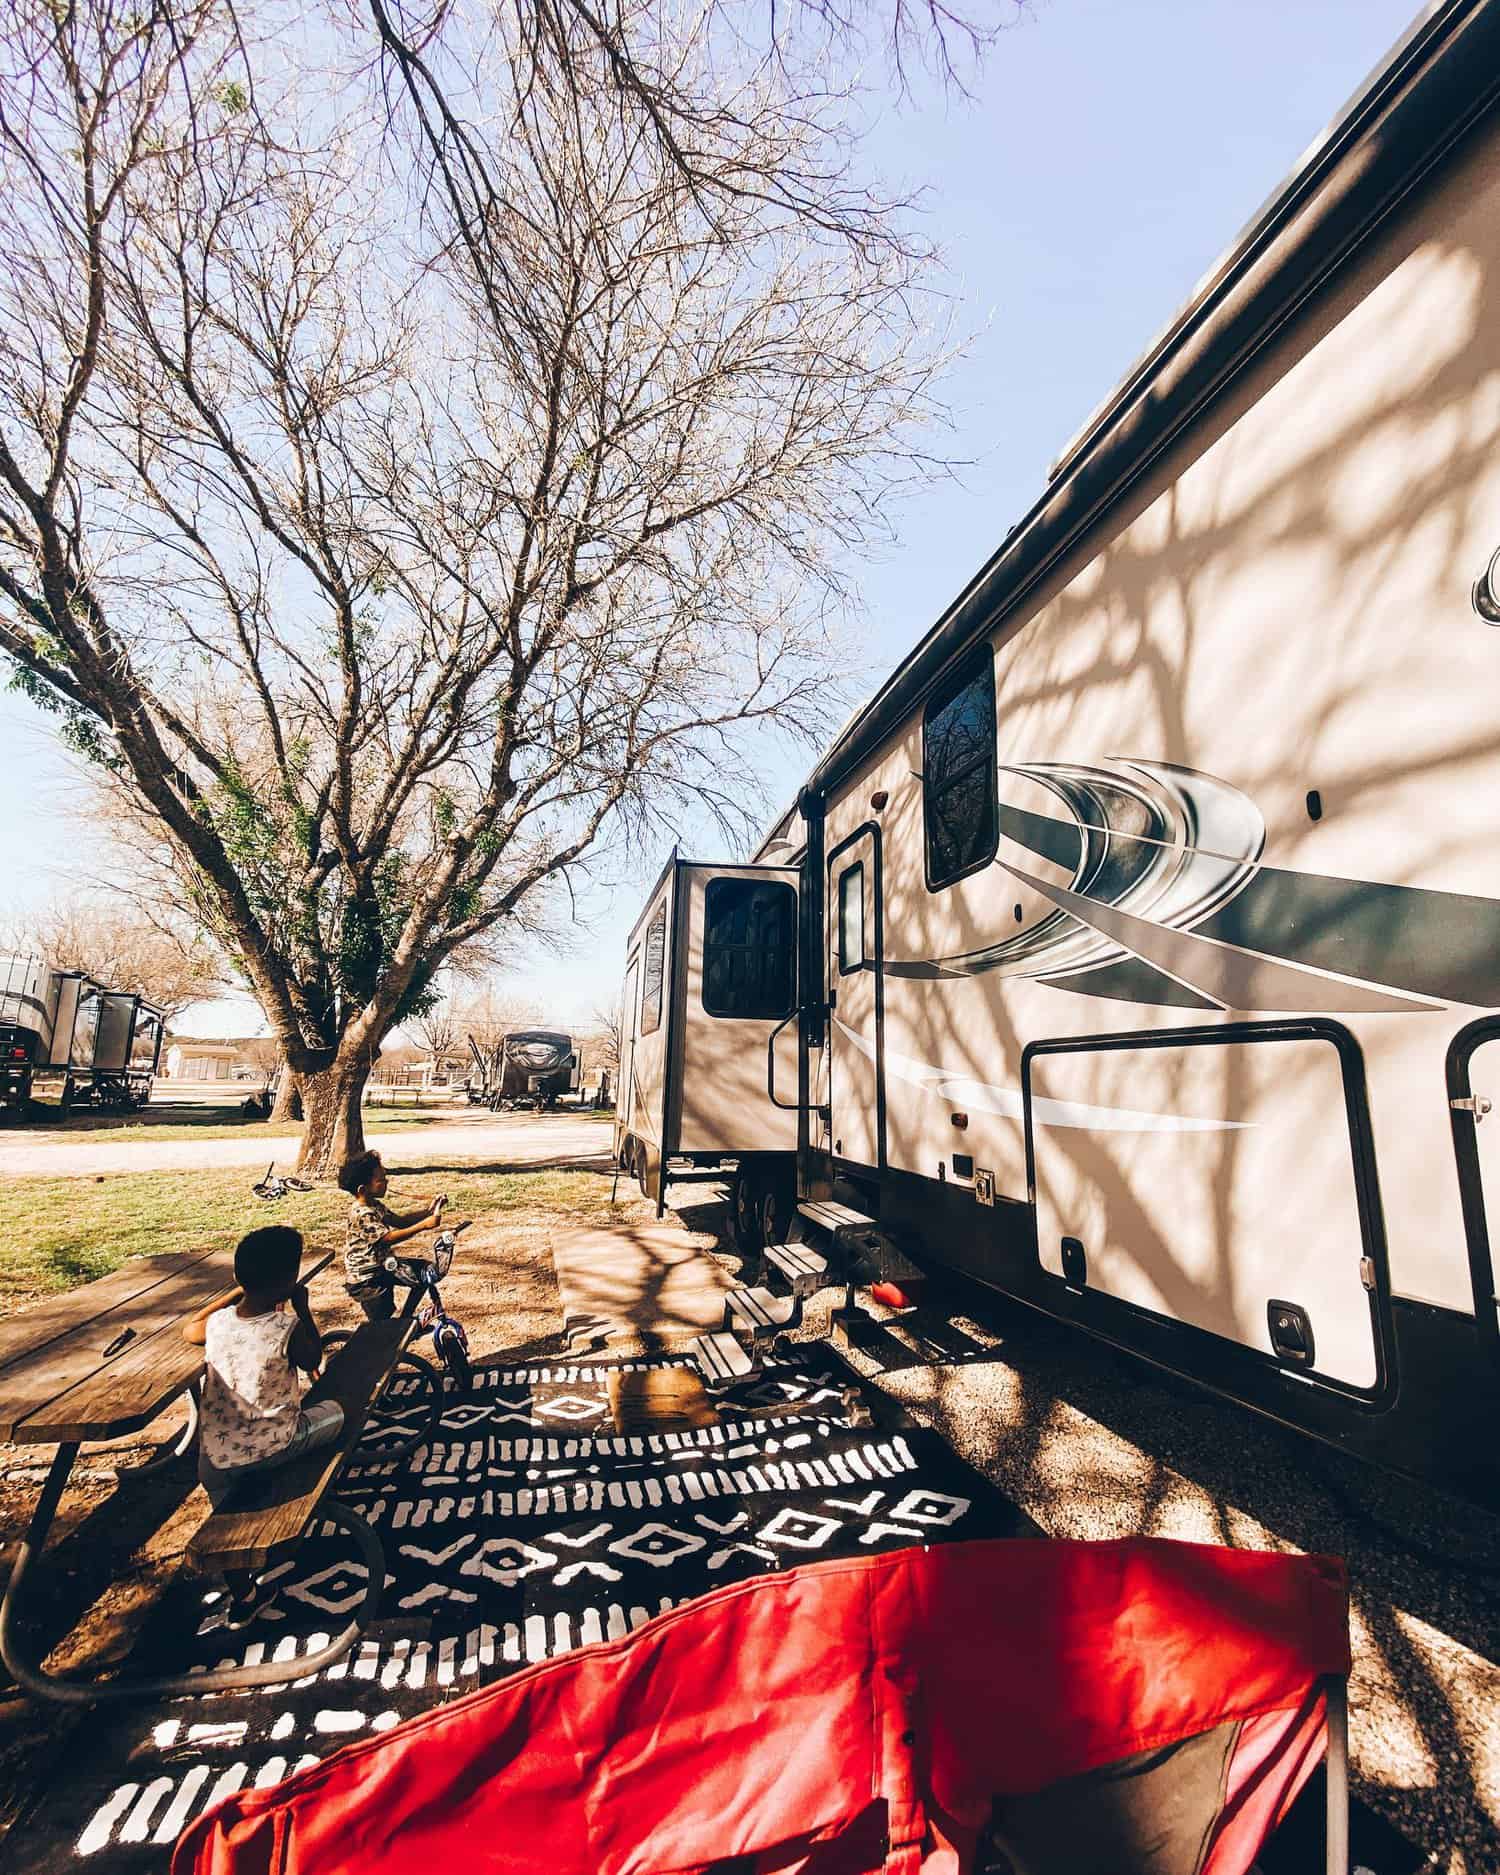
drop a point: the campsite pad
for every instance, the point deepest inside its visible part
(647, 1279)
(526, 1528)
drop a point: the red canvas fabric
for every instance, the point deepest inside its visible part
(845, 1717)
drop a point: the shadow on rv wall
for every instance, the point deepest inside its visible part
(1372, 482)
(1306, 592)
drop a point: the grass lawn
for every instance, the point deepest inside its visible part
(60, 1232)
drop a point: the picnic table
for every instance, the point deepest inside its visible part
(99, 1362)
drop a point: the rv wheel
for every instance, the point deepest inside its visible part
(747, 1197)
(779, 1207)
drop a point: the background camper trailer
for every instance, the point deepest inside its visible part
(529, 1067)
(1150, 911)
(64, 1033)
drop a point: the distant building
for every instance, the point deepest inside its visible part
(202, 1061)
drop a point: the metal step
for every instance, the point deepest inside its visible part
(759, 1313)
(839, 1220)
(869, 1254)
(798, 1264)
(721, 1359)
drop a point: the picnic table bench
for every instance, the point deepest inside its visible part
(106, 1359)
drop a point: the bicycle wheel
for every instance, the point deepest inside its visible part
(455, 1357)
(402, 1416)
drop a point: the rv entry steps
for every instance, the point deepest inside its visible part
(758, 1313)
(798, 1264)
(870, 1254)
(721, 1359)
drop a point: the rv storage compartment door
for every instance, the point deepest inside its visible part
(1204, 1177)
(740, 989)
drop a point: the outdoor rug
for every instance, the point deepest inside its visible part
(526, 1527)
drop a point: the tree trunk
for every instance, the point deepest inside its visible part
(335, 1125)
(288, 1105)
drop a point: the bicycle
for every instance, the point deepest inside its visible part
(422, 1276)
(273, 1188)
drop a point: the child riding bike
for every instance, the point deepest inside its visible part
(374, 1231)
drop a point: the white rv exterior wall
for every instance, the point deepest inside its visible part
(1285, 606)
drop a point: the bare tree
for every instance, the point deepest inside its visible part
(398, 499)
(439, 1033)
(607, 1033)
(109, 941)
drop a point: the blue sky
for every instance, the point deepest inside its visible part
(1109, 153)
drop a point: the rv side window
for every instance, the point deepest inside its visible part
(958, 775)
(656, 952)
(749, 948)
(852, 918)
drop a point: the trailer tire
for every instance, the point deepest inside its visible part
(778, 1209)
(748, 1199)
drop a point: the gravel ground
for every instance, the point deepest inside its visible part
(1093, 1445)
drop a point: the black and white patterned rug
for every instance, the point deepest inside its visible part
(525, 1528)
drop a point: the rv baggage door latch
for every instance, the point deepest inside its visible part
(1476, 1104)
(984, 1186)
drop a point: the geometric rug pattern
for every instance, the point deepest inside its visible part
(524, 1528)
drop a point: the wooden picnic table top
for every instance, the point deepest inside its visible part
(104, 1359)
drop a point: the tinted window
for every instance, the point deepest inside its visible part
(749, 948)
(851, 919)
(656, 952)
(958, 775)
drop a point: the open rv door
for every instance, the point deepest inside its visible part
(709, 1061)
(640, 1114)
(736, 1091)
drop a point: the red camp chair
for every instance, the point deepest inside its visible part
(1049, 1708)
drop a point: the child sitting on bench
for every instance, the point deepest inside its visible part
(252, 1416)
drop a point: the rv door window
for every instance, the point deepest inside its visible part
(656, 952)
(749, 948)
(958, 775)
(852, 918)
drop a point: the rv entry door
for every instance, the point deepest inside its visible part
(856, 1022)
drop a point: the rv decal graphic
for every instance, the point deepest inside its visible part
(1157, 895)
(984, 1097)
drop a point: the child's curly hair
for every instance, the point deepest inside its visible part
(356, 1172)
(267, 1258)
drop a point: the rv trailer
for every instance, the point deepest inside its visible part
(1135, 950)
(529, 1067)
(60, 1028)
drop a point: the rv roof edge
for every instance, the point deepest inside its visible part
(1427, 96)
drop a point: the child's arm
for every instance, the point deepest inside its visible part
(195, 1328)
(413, 1226)
(304, 1346)
(425, 1219)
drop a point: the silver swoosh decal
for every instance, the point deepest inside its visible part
(984, 1097)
